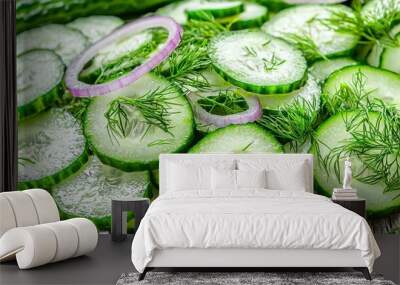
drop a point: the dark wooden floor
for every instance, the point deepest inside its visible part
(110, 260)
(103, 266)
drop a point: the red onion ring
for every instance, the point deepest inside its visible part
(81, 89)
(253, 113)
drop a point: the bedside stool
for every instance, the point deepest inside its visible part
(119, 210)
(358, 206)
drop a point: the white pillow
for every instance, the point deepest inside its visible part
(291, 175)
(224, 179)
(181, 177)
(227, 179)
(194, 174)
(251, 179)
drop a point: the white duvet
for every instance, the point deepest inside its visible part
(250, 219)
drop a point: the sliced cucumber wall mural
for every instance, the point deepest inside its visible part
(104, 87)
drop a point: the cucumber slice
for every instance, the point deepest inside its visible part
(96, 27)
(258, 62)
(382, 84)
(376, 10)
(331, 134)
(375, 56)
(39, 81)
(51, 147)
(310, 92)
(246, 138)
(88, 193)
(141, 148)
(177, 10)
(254, 15)
(123, 55)
(390, 59)
(323, 68)
(198, 9)
(218, 9)
(304, 20)
(64, 41)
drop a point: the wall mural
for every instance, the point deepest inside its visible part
(104, 87)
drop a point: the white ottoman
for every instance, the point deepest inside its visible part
(31, 232)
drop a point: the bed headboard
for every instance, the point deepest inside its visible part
(201, 159)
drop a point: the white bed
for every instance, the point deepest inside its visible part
(250, 227)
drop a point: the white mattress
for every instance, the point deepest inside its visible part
(253, 219)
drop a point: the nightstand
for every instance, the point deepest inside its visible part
(119, 210)
(358, 206)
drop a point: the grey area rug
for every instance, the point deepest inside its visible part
(244, 278)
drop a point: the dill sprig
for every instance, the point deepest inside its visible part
(246, 147)
(374, 132)
(294, 123)
(184, 64)
(348, 96)
(250, 51)
(77, 107)
(154, 107)
(226, 102)
(370, 30)
(196, 31)
(306, 45)
(23, 161)
(191, 56)
(272, 63)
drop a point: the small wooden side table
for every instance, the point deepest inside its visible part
(119, 209)
(358, 206)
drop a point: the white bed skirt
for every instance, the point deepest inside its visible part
(190, 257)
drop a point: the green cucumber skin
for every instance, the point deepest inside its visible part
(216, 13)
(49, 181)
(102, 223)
(247, 24)
(286, 88)
(278, 148)
(134, 165)
(35, 13)
(274, 5)
(41, 103)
